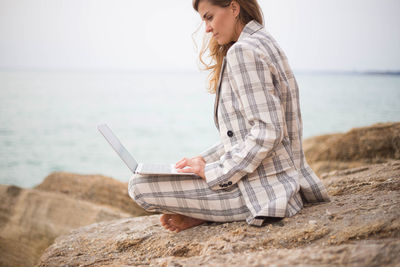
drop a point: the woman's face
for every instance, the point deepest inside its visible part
(220, 21)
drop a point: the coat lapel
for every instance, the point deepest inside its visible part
(248, 30)
(217, 92)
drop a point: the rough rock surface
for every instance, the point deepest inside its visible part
(359, 227)
(97, 189)
(30, 220)
(374, 144)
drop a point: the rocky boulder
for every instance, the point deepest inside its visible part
(374, 144)
(98, 189)
(31, 219)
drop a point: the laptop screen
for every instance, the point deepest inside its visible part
(118, 147)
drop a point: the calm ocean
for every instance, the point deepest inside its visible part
(48, 119)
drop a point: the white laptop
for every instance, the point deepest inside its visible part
(140, 168)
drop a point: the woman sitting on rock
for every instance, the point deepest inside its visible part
(258, 168)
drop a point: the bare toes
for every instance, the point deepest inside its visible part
(171, 228)
(165, 218)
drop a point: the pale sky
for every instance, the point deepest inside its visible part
(319, 35)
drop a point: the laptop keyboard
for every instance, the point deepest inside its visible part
(156, 168)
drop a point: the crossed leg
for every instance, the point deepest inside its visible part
(187, 201)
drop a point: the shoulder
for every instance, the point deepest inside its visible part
(248, 44)
(260, 44)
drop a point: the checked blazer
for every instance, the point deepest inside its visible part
(257, 114)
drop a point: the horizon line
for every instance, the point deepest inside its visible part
(180, 70)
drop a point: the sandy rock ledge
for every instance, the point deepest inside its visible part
(360, 227)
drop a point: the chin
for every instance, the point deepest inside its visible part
(221, 42)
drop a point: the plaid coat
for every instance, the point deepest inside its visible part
(257, 114)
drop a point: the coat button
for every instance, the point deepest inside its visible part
(230, 133)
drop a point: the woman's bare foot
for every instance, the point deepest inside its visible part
(177, 222)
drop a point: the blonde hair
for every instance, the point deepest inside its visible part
(249, 10)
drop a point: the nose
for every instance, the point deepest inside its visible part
(208, 28)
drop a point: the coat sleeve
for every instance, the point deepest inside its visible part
(252, 83)
(213, 153)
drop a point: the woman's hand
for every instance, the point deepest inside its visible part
(194, 165)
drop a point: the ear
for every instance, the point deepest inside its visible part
(235, 8)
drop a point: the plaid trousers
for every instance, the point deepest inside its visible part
(191, 196)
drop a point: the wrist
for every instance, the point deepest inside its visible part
(204, 161)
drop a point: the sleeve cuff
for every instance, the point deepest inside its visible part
(213, 174)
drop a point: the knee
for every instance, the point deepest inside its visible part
(134, 186)
(138, 190)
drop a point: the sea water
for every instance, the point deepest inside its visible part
(48, 120)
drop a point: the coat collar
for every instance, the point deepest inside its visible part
(250, 28)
